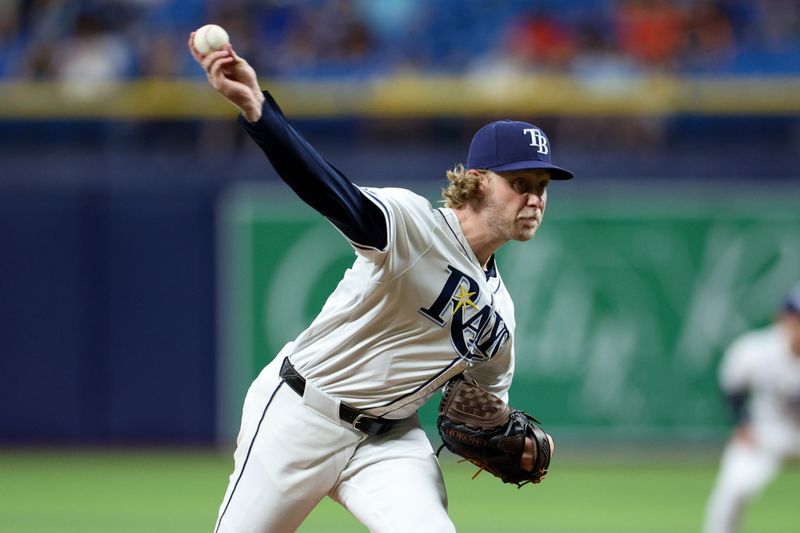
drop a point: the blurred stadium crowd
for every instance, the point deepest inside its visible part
(108, 40)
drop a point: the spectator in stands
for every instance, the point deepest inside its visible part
(651, 32)
(540, 41)
(710, 42)
(331, 39)
(91, 57)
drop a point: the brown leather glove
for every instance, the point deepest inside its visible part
(478, 426)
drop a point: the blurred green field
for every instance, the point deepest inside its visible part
(175, 491)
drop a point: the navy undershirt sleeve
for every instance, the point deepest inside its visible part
(314, 180)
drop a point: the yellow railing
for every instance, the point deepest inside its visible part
(413, 96)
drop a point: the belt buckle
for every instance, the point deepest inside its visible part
(359, 418)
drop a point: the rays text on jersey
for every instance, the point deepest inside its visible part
(477, 332)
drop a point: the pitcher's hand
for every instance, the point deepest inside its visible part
(232, 77)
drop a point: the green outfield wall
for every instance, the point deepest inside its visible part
(625, 299)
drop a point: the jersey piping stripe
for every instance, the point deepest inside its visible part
(461, 244)
(492, 273)
(386, 213)
(353, 243)
(247, 457)
(418, 389)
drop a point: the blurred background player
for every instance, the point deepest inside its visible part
(334, 414)
(760, 374)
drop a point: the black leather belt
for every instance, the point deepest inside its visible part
(365, 423)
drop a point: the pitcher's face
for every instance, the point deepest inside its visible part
(515, 202)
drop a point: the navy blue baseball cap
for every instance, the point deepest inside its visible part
(511, 145)
(792, 302)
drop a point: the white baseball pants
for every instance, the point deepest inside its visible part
(289, 456)
(745, 470)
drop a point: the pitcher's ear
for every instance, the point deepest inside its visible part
(483, 181)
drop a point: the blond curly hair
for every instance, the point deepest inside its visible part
(463, 187)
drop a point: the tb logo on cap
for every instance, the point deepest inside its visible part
(537, 139)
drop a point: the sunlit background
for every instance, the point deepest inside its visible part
(151, 261)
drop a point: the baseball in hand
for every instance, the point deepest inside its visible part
(210, 38)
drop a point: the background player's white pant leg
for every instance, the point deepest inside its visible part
(393, 483)
(744, 472)
(287, 459)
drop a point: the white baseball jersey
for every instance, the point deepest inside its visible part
(405, 319)
(763, 363)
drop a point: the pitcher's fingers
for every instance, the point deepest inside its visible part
(195, 54)
(218, 65)
(526, 463)
(209, 60)
(228, 47)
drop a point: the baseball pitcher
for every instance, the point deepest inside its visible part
(423, 305)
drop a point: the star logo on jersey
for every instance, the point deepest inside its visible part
(477, 332)
(464, 298)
